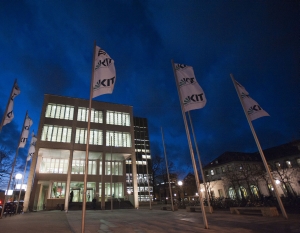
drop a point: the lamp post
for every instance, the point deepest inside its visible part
(181, 196)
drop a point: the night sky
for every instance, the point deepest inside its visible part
(48, 45)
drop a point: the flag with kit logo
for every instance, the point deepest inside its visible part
(104, 77)
(9, 115)
(192, 95)
(252, 108)
(28, 122)
(32, 147)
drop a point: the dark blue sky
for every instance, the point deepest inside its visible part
(47, 46)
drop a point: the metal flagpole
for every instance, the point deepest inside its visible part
(148, 180)
(12, 169)
(200, 164)
(21, 186)
(260, 151)
(3, 118)
(87, 146)
(111, 194)
(162, 135)
(191, 149)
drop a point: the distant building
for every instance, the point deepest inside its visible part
(143, 161)
(58, 166)
(239, 175)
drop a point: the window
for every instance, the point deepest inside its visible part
(116, 191)
(58, 190)
(223, 169)
(96, 116)
(115, 166)
(51, 165)
(206, 173)
(53, 133)
(96, 136)
(229, 168)
(217, 170)
(117, 118)
(59, 111)
(78, 166)
(288, 164)
(241, 166)
(92, 167)
(212, 172)
(298, 161)
(119, 139)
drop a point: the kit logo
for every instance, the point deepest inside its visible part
(104, 83)
(103, 63)
(179, 66)
(253, 109)
(186, 81)
(193, 98)
(101, 52)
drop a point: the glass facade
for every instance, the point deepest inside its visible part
(78, 167)
(96, 136)
(59, 111)
(51, 165)
(117, 118)
(119, 139)
(53, 133)
(96, 116)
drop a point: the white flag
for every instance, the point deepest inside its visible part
(252, 108)
(28, 122)
(32, 147)
(192, 94)
(104, 73)
(9, 115)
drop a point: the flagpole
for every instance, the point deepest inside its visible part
(3, 118)
(170, 189)
(200, 164)
(12, 169)
(191, 149)
(21, 186)
(111, 195)
(261, 152)
(87, 146)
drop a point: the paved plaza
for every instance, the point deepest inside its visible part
(144, 220)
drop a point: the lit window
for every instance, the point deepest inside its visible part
(117, 118)
(223, 169)
(212, 172)
(119, 139)
(51, 165)
(96, 116)
(53, 133)
(58, 111)
(96, 136)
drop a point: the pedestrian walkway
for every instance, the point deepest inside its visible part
(144, 220)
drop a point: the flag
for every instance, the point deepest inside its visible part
(252, 108)
(32, 147)
(192, 94)
(9, 115)
(28, 122)
(104, 73)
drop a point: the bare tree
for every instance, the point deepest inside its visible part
(5, 165)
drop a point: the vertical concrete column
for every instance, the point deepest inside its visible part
(134, 181)
(97, 183)
(68, 181)
(30, 181)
